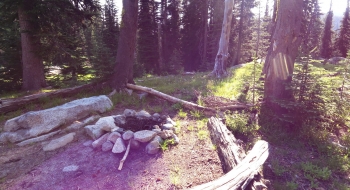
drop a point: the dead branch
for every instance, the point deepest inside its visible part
(124, 157)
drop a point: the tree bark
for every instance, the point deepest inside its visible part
(283, 50)
(237, 56)
(123, 70)
(205, 35)
(222, 55)
(33, 68)
(230, 152)
(240, 176)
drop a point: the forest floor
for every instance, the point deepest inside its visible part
(305, 160)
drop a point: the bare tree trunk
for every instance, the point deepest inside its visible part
(222, 55)
(123, 70)
(33, 68)
(205, 35)
(237, 56)
(283, 50)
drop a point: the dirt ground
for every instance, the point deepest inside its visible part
(190, 163)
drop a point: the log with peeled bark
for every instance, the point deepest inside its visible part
(242, 168)
(186, 104)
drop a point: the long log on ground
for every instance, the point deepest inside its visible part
(186, 104)
(239, 168)
(229, 150)
(11, 104)
(238, 176)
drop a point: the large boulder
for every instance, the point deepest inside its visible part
(35, 123)
(336, 60)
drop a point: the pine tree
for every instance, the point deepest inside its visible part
(343, 40)
(147, 42)
(172, 47)
(326, 47)
(192, 24)
(265, 35)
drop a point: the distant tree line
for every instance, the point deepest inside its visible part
(81, 37)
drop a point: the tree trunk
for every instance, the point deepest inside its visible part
(123, 70)
(33, 68)
(237, 57)
(283, 50)
(221, 57)
(205, 35)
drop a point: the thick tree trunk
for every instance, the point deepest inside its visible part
(222, 55)
(283, 50)
(123, 70)
(33, 68)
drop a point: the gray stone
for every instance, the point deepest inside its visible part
(71, 168)
(144, 135)
(128, 135)
(157, 130)
(129, 113)
(142, 95)
(76, 125)
(156, 115)
(119, 120)
(100, 141)
(166, 134)
(134, 144)
(119, 146)
(3, 137)
(176, 139)
(106, 123)
(88, 143)
(169, 120)
(59, 142)
(154, 146)
(118, 129)
(40, 122)
(107, 146)
(114, 136)
(155, 127)
(38, 139)
(94, 131)
(336, 60)
(167, 126)
(143, 115)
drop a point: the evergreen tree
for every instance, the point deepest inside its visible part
(312, 28)
(265, 35)
(48, 30)
(172, 47)
(192, 24)
(147, 42)
(343, 40)
(326, 47)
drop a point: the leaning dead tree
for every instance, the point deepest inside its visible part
(239, 168)
(186, 104)
(222, 55)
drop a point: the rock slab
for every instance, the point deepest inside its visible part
(60, 142)
(35, 123)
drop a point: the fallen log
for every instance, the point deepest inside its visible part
(244, 171)
(12, 104)
(186, 104)
(229, 150)
(239, 169)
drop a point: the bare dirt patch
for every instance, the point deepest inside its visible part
(190, 163)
